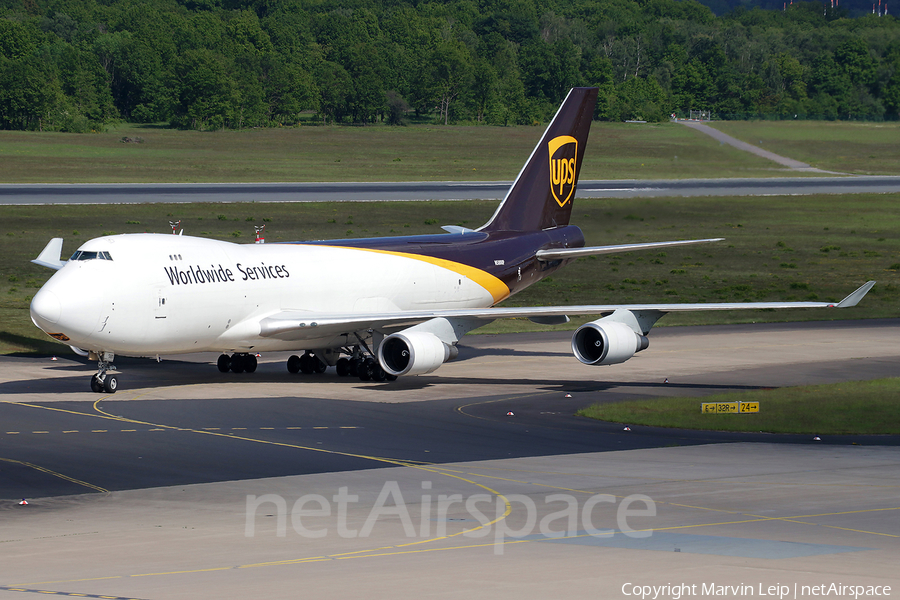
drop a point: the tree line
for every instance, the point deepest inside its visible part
(77, 65)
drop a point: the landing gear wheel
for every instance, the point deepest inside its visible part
(354, 366)
(102, 381)
(250, 363)
(343, 367)
(363, 373)
(310, 363)
(237, 363)
(378, 373)
(293, 364)
(366, 369)
(224, 363)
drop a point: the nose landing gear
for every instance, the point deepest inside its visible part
(103, 381)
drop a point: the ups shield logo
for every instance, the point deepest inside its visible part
(563, 150)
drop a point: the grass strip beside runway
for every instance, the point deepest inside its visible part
(375, 153)
(425, 152)
(855, 407)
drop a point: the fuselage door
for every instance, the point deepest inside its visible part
(161, 309)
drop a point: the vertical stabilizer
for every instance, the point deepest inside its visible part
(541, 197)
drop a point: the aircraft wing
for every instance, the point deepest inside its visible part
(559, 253)
(300, 324)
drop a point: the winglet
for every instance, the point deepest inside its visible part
(854, 298)
(51, 255)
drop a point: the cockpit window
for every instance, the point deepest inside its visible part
(91, 255)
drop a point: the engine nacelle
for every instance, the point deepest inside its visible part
(413, 353)
(605, 342)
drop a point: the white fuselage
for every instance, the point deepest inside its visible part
(165, 294)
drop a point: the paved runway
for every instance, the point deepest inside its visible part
(117, 193)
(186, 482)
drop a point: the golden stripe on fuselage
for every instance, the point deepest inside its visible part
(496, 288)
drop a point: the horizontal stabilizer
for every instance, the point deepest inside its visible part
(51, 255)
(456, 229)
(560, 253)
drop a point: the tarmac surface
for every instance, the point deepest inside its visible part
(147, 193)
(189, 483)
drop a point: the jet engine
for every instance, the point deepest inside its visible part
(413, 353)
(604, 342)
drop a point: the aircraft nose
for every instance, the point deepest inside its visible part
(45, 307)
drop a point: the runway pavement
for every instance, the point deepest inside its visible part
(196, 484)
(117, 193)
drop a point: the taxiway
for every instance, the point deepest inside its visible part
(186, 483)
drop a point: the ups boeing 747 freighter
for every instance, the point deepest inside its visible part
(375, 308)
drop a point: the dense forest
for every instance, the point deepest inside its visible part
(77, 65)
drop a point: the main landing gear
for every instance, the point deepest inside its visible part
(237, 363)
(307, 364)
(357, 365)
(367, 369)
(103, 381)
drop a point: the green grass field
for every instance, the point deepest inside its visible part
(376, 153)
(776, 248)
(848, 147)
(856, 407)
(433, 153)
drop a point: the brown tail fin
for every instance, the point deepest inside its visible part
(541, 197)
